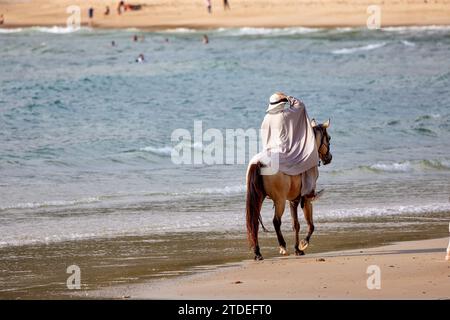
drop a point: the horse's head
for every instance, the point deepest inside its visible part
(322, 140)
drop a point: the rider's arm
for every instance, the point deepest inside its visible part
(295, 103)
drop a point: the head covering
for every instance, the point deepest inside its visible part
(276, 102)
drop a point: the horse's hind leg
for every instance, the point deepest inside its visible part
(295, 225)
(279, 210)
(308, 212)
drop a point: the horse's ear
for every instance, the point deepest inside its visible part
(326, 124)
(313, 123)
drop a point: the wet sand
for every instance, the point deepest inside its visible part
(256, 13)
(408, 270)
(38, 271)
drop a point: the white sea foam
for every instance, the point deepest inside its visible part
(179, 30)
(163, 151)
(388, 210)
(368, 47)
(347, 29)
(54, 30)
(10, 30)
(224, 190)
(57, 30)
(50, 203)
(406, 166)
(249, 31)
(416, 29)
(167, 150)
(49, 230)
(408, 43)
(393, 167)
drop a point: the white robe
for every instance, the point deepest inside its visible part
(288, 133)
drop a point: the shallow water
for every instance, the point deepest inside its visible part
(85, 134)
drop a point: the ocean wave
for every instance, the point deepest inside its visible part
(133, 30)
(227, 190)
(99, 226)
(162, 151)
(408, 43)
(408, 166)
(425, 132)
(388, 210)
(416, 28)
(428, 117)
(53, 30)
(436, 164)
(57, 30)
(167, 151)
(10, 30)
(392, 167)
(251, 31)
(179, 30)
(399, 167)
(368, 47)
(248, 31)
(51, 203)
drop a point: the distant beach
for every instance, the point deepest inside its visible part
(193, 14)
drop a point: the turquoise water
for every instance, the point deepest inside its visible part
(85, 132)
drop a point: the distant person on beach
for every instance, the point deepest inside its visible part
(205, 39)
(140, 58)
(91, 15)
(208, 6)
(226, 5)
(135, 38)
(107, 11)
(120, 7)
(2, 19)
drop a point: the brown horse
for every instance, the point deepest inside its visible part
(280, 188)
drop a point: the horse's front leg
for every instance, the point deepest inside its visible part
(308, 212)
(279, 210)
(295, 225)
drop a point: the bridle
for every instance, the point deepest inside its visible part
(322, 142)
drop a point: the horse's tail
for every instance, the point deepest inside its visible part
(255, 198)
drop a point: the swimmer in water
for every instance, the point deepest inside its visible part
(140, 58)
(205, 39)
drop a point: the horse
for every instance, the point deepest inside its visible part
(280, 188)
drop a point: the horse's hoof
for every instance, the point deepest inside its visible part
(299, 253)
(303, 244)
(283, 251)
(258, 258)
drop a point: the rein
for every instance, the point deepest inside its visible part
(321, 143)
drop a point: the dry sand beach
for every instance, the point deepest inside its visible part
(409, 270)
(249, 13)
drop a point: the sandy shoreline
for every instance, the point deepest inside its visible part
(409, 270)
(193, 14)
